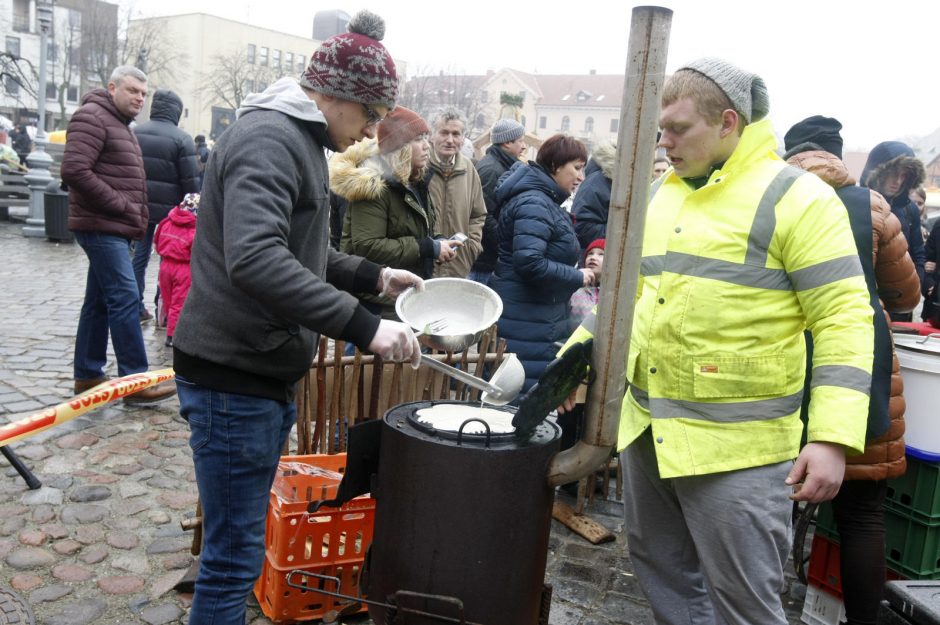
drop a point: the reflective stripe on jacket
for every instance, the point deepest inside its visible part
(731, 275)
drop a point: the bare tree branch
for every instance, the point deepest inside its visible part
(231, 77)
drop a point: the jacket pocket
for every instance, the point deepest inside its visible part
(738, 376)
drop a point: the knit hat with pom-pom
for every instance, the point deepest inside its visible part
(354, 65)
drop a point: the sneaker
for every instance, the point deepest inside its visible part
(83, 385)
(152, 395)
(169, 341)
(145, 316)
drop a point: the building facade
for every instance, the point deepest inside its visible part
(586, 106)
(81, 44)
(215, 62)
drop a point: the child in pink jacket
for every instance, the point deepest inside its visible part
(173, 241)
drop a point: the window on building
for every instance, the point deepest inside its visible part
(75, 19)
(13, 45)
(301, 66)
(480, 121)
(52, 93)
(72, 94)
(248, 87)
(484, 96)
(589, 124)
(614, 125)
(251, 53)
(276, 59)
(74, 56)
(52, 52)
(543, 121)
(261, 86)
(263, 57)
(565, 123)
(288, 62)
(20, 17)
(10, 86)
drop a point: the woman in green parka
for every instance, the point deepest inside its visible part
(389, 219)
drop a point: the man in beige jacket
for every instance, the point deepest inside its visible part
(456, 193)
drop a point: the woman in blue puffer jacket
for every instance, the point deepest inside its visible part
(536, 270)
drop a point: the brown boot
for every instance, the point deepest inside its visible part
(83, 385)
(152, 395)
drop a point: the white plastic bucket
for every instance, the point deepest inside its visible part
(920, 368)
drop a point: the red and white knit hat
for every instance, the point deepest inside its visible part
(355, 66)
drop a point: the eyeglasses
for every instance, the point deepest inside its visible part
(372, 117)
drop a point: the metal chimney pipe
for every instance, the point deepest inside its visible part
(636, 144)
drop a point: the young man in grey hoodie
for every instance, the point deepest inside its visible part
(265, 283)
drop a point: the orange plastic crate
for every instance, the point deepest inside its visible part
(331, 541)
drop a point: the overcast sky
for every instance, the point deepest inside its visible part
(866, 63)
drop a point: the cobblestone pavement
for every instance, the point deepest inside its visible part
(101, 541)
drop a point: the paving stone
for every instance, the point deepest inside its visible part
(132, 507)
(83, 513)
(161, 614)
(29, 558)
(93, 554)
(132, 563)
(49, 593)
(167, 545)
(90, 492)
(60, 482)
(44, 495)
(78, 440)
(55, 530)
(123, 540)
(33, 538)
(127, 469)
(67, 547)
(42, 514)
(82, 612)
(158, 517)
(24, 582)
(89, 534)
(177, 561)
(121, 584)
(178, 500)
(69, 572)
(33, 452)
(123, 522)
(12, 511)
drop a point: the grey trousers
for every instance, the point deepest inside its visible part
(709, 549)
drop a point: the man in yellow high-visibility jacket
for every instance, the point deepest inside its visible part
(741, 253)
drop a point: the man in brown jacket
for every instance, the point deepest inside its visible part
(104, 171)
(815, 145)
(456, 193)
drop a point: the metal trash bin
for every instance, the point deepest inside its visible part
(56, 213)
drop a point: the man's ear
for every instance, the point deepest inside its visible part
(729, 122)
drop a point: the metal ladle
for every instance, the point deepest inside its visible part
(502, 388)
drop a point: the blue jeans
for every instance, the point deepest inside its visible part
(141, 259)
(110, 305)
(483, 277)
(236, 442)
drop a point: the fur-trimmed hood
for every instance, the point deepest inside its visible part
(605, 155)
(889, 157)
(360, 173)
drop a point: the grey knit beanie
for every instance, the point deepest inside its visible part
(747, 91)
(506, 130)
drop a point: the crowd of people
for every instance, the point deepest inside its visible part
(731, 412)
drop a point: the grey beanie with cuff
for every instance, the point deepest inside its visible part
(747, 91)
(505, 131)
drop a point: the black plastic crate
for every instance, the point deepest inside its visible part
(918, 602)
